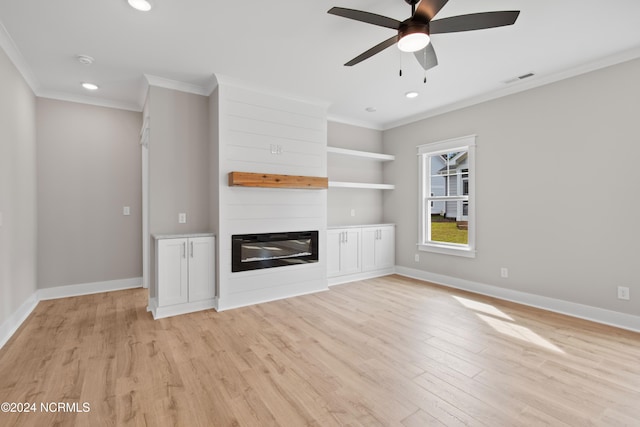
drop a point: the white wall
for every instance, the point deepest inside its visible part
(366, 204)
(17, 196)
(540, 189)
(89, 168)
(250, 122)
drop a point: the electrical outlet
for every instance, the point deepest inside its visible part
(504, 272)
(126, 210)
(182, 218)
(623, 293)
(417, 257)
(353, 212)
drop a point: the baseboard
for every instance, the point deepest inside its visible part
(88, 288)
(340, 280)
(11, 325)
(581, 311)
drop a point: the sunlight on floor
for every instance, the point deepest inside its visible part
(493, 317)
(519, 332)
(482, 307)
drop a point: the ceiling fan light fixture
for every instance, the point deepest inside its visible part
(413, 36)
(141, 5)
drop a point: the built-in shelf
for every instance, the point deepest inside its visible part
(340, 184)
(362, 154)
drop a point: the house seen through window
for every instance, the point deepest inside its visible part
(446, 196)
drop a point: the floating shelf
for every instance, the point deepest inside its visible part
(269, 180)
(361, 154)
(340, 184)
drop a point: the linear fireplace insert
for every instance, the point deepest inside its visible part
(256, 251)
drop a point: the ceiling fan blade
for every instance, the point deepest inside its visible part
(376, 49)
(369, 18)
(427, 9)
(427, 57)
(474, 21)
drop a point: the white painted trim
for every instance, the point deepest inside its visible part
(222, 307)
(176, 85)
(231, 81)
(15, 320)
(581, 311)
(88, 100)
(340, 184)
(178, 309)
(354, 122)
(11, 49)
(521, 86)
(361, 154)
(340, 280)
(88, 288)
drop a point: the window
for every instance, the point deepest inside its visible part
(447, 199)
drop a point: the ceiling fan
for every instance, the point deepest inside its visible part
(413, 33)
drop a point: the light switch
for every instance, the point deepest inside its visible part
(126, 210)
(182, 218)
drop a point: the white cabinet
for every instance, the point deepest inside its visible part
(359, 252)
(185, 275)
(343, 252)
(378, 248)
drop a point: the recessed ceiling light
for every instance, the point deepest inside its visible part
(142, 5)
(411, 94)
(371, 109)
(89, 86)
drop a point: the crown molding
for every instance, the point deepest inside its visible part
(223, 80)
(521, 86)
(98, 102)
(176, 85)
(8, 45)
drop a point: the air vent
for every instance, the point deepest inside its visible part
(522, 77)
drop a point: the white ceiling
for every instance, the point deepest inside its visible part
(295, 47)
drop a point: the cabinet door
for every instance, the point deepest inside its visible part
(385, 253)
(172, 265)
(350, 252)
(369, 240)
(201, 268)
(334, 239)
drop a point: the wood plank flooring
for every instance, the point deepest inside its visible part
(390, 351)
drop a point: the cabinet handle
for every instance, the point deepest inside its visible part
(184, 249)
(346, 236)
(191, 249)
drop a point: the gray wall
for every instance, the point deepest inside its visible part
(178, 161)
(540, 189)
(89, 168)
(17, 190)
(366, 203)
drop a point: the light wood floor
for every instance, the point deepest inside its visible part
(388, 351)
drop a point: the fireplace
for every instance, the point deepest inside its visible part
(268, 250)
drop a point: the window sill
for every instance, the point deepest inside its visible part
(447, 250)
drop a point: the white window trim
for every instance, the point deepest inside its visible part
(467, 143)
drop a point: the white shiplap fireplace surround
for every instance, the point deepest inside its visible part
(257, 131)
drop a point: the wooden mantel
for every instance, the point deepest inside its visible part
(269, 180)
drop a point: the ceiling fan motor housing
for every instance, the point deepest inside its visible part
(411, 26)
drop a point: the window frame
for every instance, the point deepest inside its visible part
(425, 151)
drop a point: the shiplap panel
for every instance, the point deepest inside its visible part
(272, 115)
(258, 157)
(251, 124)
(237, 95)
(280, 130)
